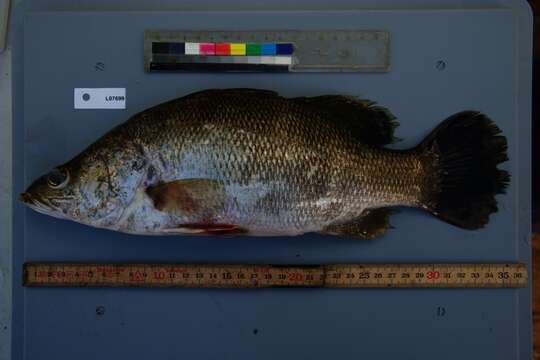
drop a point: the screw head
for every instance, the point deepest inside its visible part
(440, 65)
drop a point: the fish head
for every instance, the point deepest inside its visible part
(94, 188)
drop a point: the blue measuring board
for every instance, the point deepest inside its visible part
(486, 57)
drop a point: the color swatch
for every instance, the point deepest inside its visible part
(194, 48)
(235, 56)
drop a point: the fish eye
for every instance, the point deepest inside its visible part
(58, 178)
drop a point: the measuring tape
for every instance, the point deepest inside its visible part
(263, 276)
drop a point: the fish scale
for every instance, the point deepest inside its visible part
(290, 141)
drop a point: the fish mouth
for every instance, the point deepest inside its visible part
(41, 206)
(25, 198)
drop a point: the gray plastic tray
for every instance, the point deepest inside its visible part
(487, 52)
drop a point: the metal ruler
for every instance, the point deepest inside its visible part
(315, 51)
(263, 276)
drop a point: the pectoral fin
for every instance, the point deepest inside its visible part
(201, 198)
(370, 225)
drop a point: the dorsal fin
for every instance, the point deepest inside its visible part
(368, 123)
(208, 94)
(232, 92)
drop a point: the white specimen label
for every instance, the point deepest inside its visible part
(100, 98)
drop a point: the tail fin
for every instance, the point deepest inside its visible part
(467, 147)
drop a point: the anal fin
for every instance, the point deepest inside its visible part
(207, 229)
(369, 225)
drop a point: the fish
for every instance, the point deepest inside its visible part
(252, 162)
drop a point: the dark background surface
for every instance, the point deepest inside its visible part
(535, 4)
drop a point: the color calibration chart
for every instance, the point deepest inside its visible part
(266, 51)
